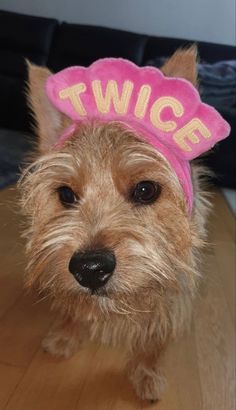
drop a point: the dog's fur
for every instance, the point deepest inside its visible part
(149, 297)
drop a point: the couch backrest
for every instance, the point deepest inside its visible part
(208, 52)
(76, 44)
(21, 37)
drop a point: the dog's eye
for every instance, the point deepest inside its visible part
(66, 196)
(145, 192)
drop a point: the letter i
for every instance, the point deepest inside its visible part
(142, 101)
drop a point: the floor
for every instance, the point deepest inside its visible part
(200, 367)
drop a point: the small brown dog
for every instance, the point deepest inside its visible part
(110, 239)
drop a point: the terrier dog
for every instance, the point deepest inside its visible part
(110, 238)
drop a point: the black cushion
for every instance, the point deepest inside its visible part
(21, 37)
(14, 147)
(81, 45)
(222, 158)
(164, 47)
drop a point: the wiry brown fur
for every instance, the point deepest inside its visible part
(149, 297)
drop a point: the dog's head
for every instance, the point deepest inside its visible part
(108, 221)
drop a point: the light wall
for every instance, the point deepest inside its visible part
(206, 20)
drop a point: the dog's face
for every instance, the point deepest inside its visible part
(108, 222)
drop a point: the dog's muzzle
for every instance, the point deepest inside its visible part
(92, 269)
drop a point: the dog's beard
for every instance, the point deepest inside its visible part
(143, 271)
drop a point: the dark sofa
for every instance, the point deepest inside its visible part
(58, 45)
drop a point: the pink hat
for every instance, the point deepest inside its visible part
(166, 112)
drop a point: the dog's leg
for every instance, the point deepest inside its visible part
(146, 375)
(64, 339)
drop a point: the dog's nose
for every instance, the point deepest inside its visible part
(92, 269)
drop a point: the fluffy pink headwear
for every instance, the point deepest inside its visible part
(166, 112)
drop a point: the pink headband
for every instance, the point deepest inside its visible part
(167, 112)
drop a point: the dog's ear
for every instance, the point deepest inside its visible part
(49, 121)
(183, 64)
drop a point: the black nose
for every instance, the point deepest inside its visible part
(92, 269)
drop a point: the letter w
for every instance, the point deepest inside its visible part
(120, 103)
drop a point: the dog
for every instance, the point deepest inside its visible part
(110, 239)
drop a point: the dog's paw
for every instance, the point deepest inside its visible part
(59, 345)
(149, 384)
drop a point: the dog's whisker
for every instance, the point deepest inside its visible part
(135, 310)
